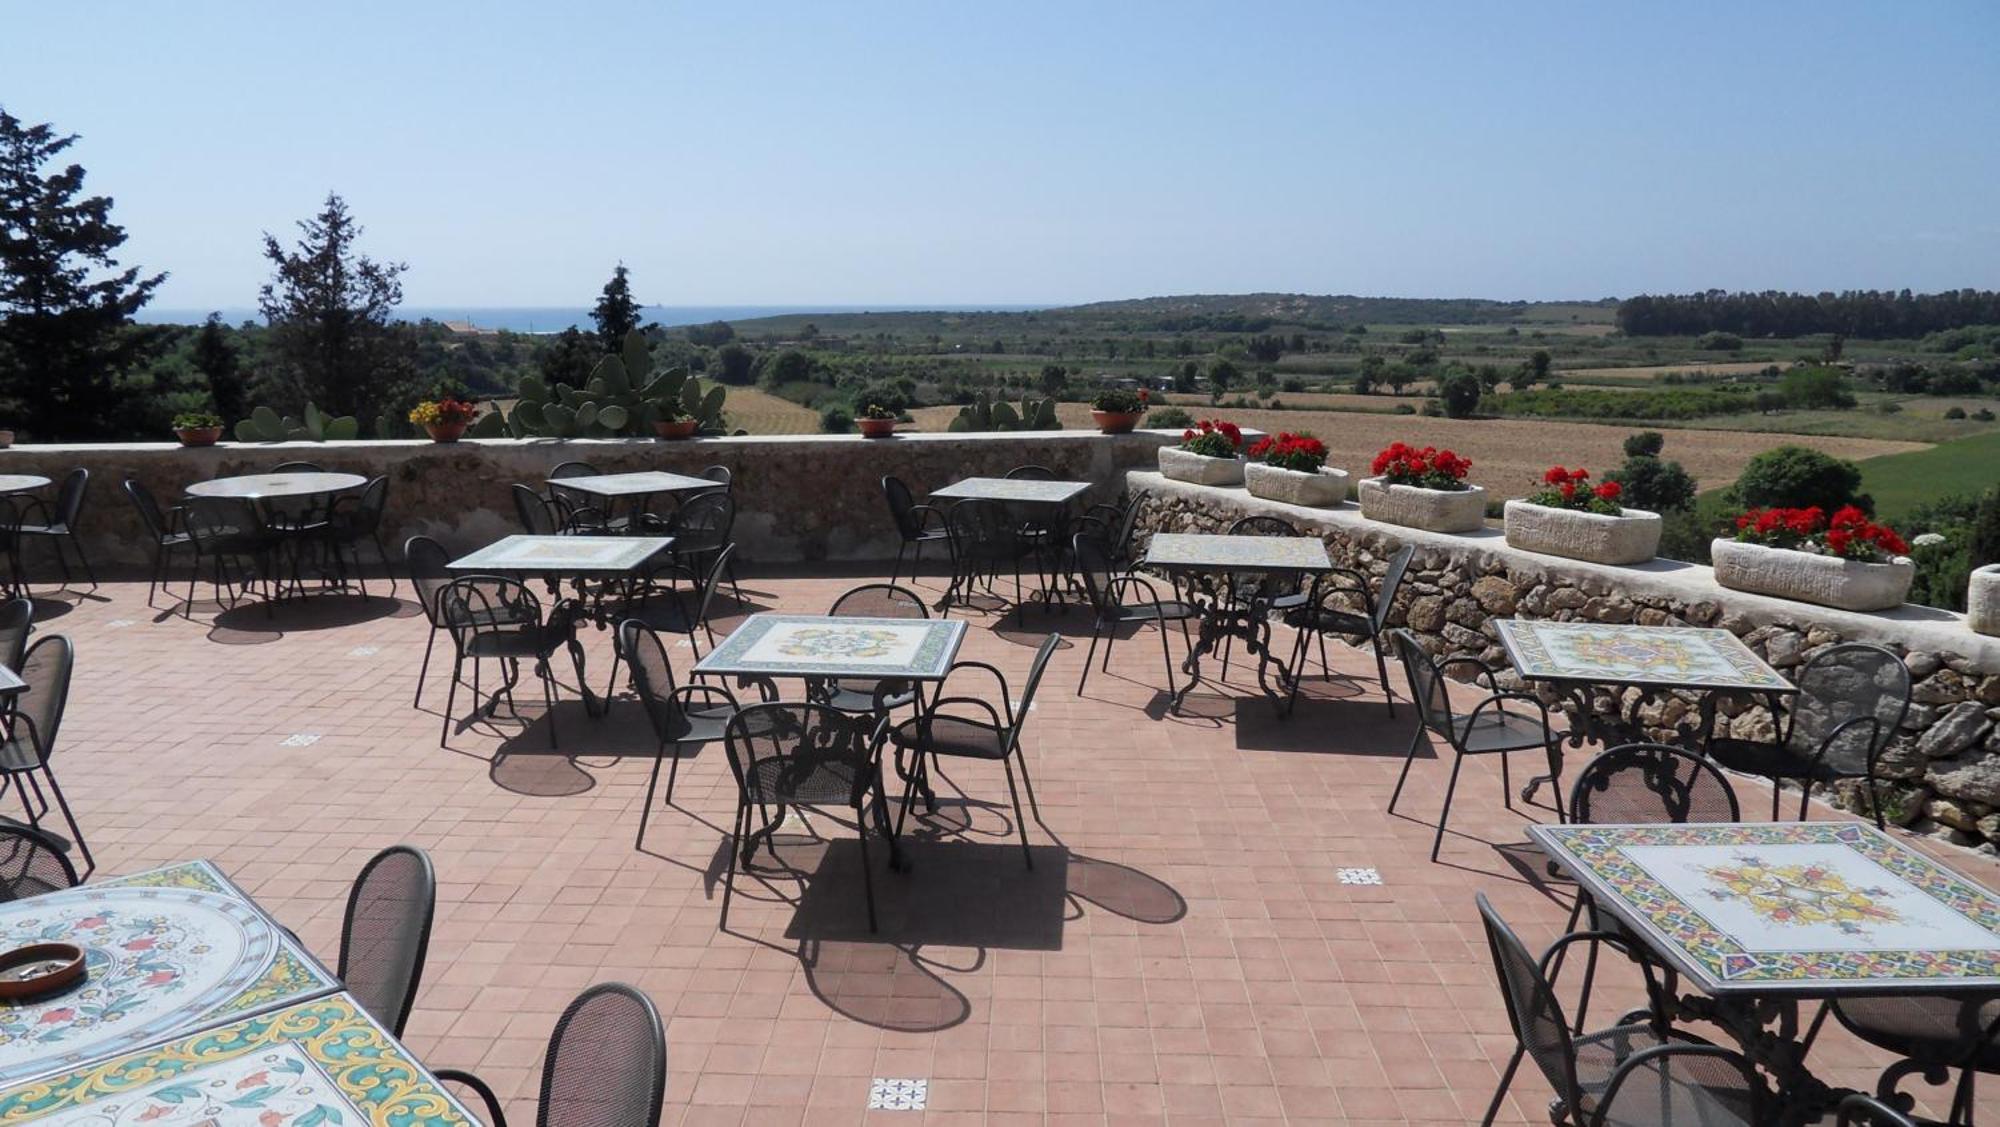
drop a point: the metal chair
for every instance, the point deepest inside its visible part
(795, 753)
(493, 618)
(1851, 699)
(32, 727)
(1632, 1073)
(1113, 606)
(606, 1064)
(575, 510)
(669, 708)
(17, 621)
(701, 529)
(357, 518)
(873, 600)
(16, 578)
(295, 514)
(1859, 1110)
(1489, 729)
(163, 527)
(913, 524)
(1280, 592)
(1327, 611)
(1931, 1034)
(387, 931)
(945, 729)
(58, 524)
(984, 539)
(721, 475)
(539, 516)
(1114, 525)
(227, 529)
(31, 863)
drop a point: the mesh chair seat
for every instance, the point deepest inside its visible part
(523, 640)
(1699, 1090)
(32, 863)
(18, 754)
(1944, 1028)
(859, 696)
(1599, 1054)
(952, 735)
(802, 777)
(1328, 619)
(1169, 610)
(1499, 730)
(696, 725)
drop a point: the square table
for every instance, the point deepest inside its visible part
(645, 483)
(1012, 490)
(321, 1062)
(822, 646)
(1206, 566)
(170, 952)
(596, 556)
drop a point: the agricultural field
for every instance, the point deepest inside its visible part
(760, 412)
(1901, 482)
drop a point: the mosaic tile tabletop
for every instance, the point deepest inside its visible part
(321, 1063)
(1011, 489)
(811, 645)
(169, 952)
(521, 552)
(1797, 907)
(263, 486)
(1196, 551)
(21, 482)
(1662, 656)
(634, 484)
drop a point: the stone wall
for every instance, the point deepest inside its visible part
(805, 497)
(1946, 760)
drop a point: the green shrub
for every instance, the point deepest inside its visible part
(837, 419)
(1167, 418)
(1645, 444)
(1597, 403)
(1954, 412)
(1404, 409)
(1460, 392)
(1654, 485)
(1796, 477)
(1720, 342)
(1983, 415)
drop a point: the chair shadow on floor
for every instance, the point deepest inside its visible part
(253, 622)
(1336, 719)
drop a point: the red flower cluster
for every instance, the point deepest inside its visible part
(1429, 468)
(1213, 438)
(1571, 489)
(1849, 534)
(1287, 451)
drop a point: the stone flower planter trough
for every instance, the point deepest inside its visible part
(1177, 464)
(1982, 600)
(1434, 510)
(1631, 537)
(1827, 580)
(1319, 490)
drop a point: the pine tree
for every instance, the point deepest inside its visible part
(616, 312)
(215, 358)
(65, 306)
(328, 306)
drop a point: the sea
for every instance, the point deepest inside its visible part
(555, 318)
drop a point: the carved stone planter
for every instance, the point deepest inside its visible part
(1434, 510)
(1177, 464)
(1827, 580)
(1320, 490)
(1982, 600)
(1631, 537)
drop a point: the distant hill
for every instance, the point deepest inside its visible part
(1348, 309)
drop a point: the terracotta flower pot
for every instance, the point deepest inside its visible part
(1413, 506)
(1811, 578)
(445, 432)
(1115, 422)
(1633, 536)
(876, 428)
(198, 436)
(677, 428)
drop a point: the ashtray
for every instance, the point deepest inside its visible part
(39, 970)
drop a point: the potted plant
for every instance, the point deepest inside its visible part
(876, 421)
(672, 420)
(1982, 600)
(1570, 517)
(1210, 453)
(1116, 410)
(1845, 561)
(197, 428)
(1292, 468)
(444, 418)
(1422, 489)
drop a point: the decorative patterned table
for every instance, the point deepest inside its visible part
(1760, 915)
(170, 952)
(1574, 657)
(564, 556)
(1012, 490)
(1206, 567)
(635, 489)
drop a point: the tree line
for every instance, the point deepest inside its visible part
(1861, 314)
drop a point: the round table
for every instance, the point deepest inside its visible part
(21, 482)
(271, 486)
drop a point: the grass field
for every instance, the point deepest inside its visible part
(1900, 482)
(760, 412)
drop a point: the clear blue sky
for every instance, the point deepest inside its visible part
(1022, 152)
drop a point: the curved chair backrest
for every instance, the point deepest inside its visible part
(387, 931)
(718, 474)
(475, 604)
(534, 512)
(1392, 581)
(1532, 1008)
(46, 667)
(374, 501)
(17, 621)
(573, 469)
(712, 582)
(1043, 654)
(31, 863)
(980, 529)
(1031, 473)
(297, 467)
(901, 507)
(150, 513)
(1094, 567)
(1651, 783)
(652, 674)
(1121, 542)
(1843, 683)
(1263, 526)
(1427, 681)
(607, 1062)
(879, 600)
(789, 751)
(705, 518)
(69, 498)
(427, 562)
(213, 519)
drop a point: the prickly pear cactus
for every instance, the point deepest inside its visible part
(982, 414)
(623, 396)
(265, 425)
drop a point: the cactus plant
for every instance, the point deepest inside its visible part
(623, 396)
(265, 425)
(983, 414)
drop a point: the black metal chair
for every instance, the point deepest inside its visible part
(1280, 592)
(16, 577)
(721, 475)
(494, 618)
(1112, 606)
(163, 527)
(872, 600)
(17, 621)
(1115, 526)
(33, 725)
(231, 532)
(969, 727)
(914, 527)
(606, 1065)
(31, 863)
(1489, 729)
(1851, 699)
(296, 515)
(58, 524)
(1931, 1034)
(574, 510)
(387, 931)
(1639, 1071)
(1330, 609)
(1042, 529)
(539, 516)
(984, 540)
(701, 529)
(356, 519)
(795, 753)
(1859, 1110)
(670, 708)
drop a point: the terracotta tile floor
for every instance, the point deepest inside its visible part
(1183, 950)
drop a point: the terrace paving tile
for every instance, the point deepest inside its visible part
(1190, 957)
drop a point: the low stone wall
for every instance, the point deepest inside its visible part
(799, 498)
(1947, 758)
